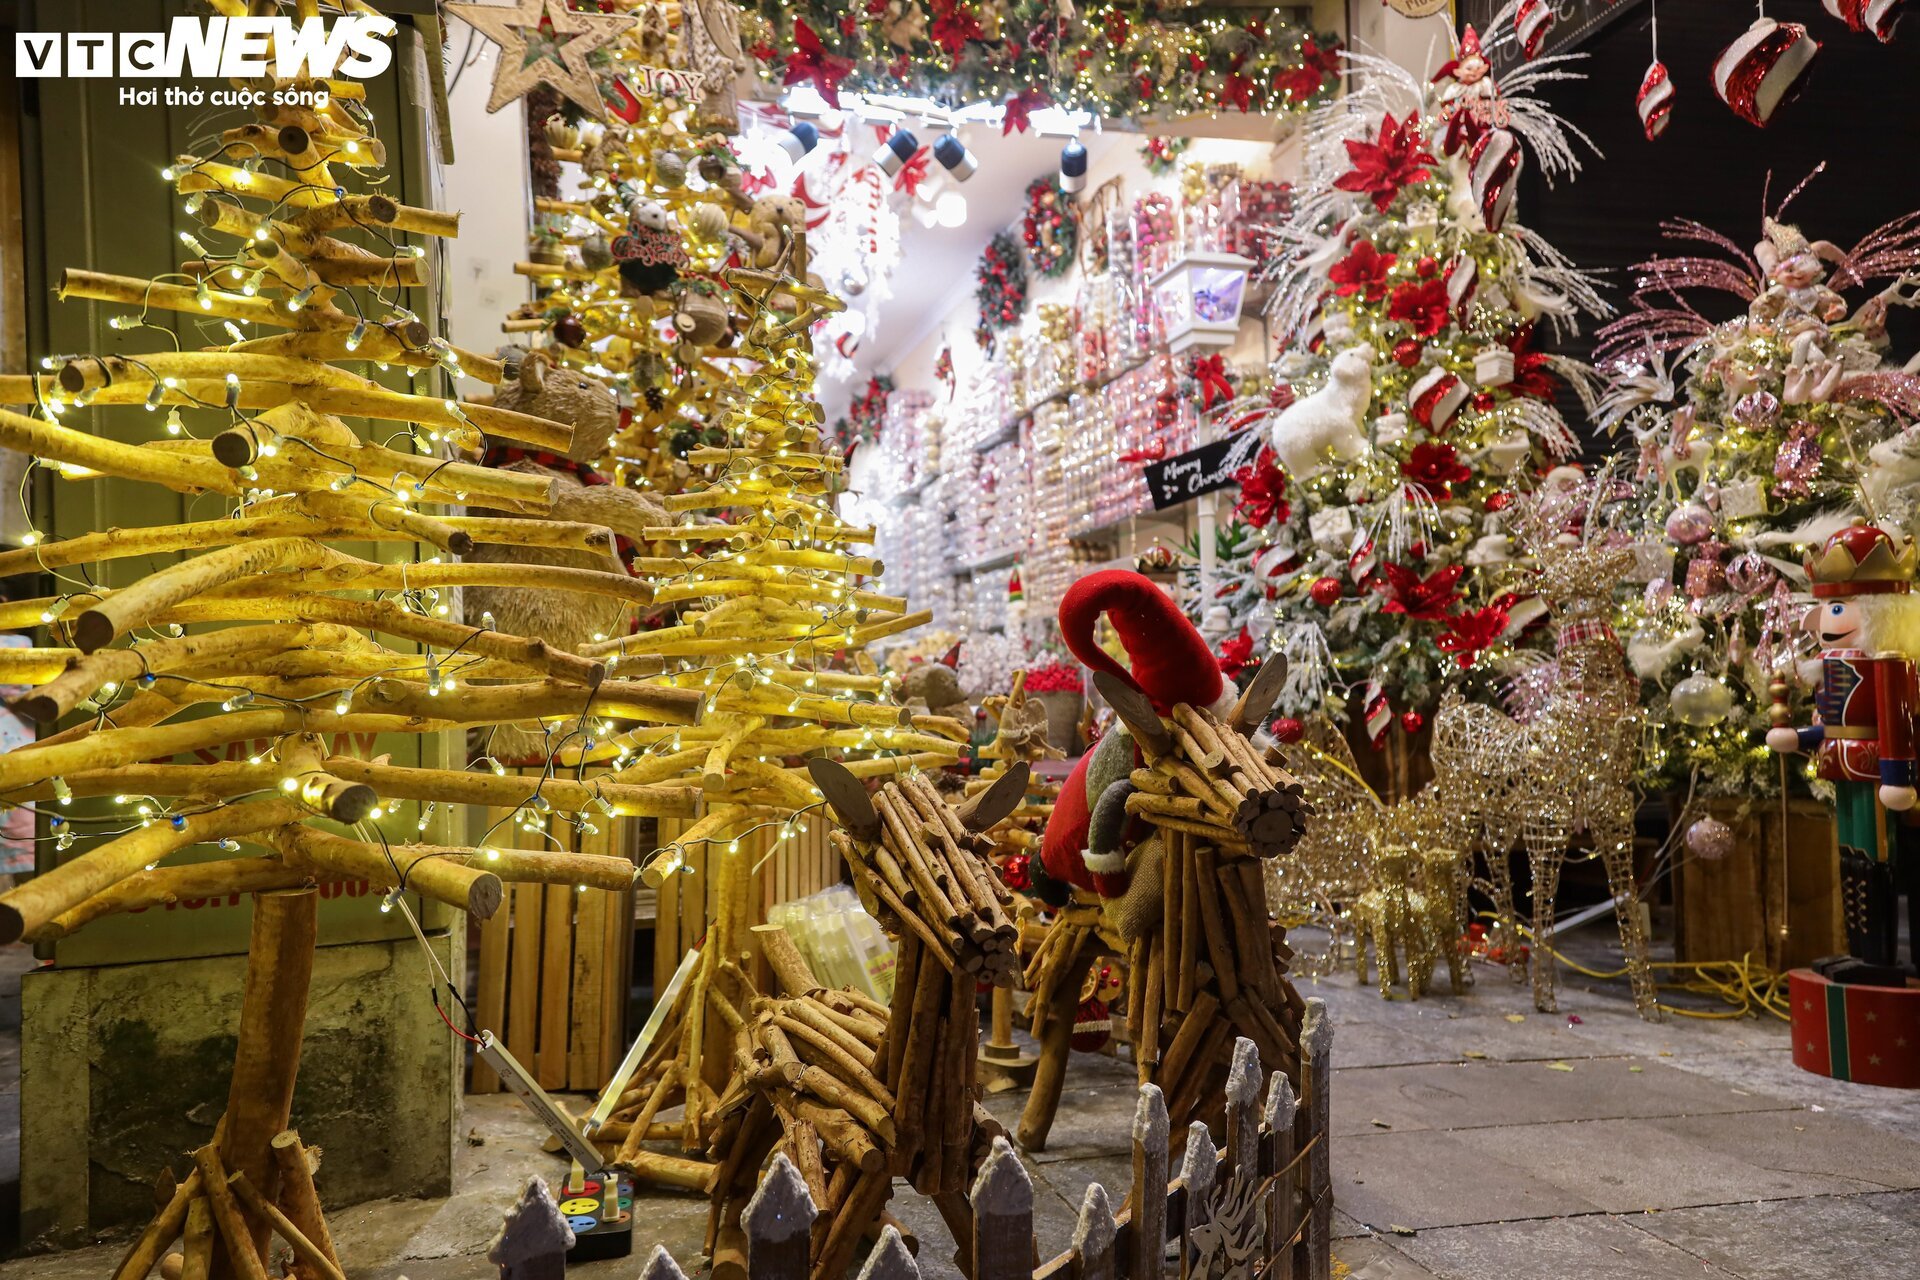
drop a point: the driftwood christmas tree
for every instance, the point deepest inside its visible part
(755, 584)
(302, 281)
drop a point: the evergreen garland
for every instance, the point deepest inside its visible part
(1002, 294)
(1051, 228)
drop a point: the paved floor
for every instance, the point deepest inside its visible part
(1474, 1138)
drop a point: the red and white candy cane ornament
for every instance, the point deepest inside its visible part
(1763, 69)
(1435, 398)
(1531, 22)
(1655, 100)
(1879, 17)
(1463, 281)
(1494, 170)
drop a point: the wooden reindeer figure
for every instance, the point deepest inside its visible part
(1162, 833)
(854, 1093)
(1567, 767)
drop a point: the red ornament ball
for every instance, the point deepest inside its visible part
(1017, 872)
(568, 331)
(1287, 729)
(1412, 721)
(1325, 592)
(1406, 352)
(1427, 267)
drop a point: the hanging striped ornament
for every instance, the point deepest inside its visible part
(1375, 713)
(1655, 100)
(1764, 69)
(1531, 22)
(1879, 17)
(1494, 170)
(1435, 398)
(1463, 281)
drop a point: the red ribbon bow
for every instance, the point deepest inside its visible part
(810, 61)
(1211, 372)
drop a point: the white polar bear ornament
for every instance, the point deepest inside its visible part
(1325, 427)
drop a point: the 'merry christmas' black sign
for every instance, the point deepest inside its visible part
(1197, 471)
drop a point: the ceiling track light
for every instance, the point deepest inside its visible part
(894, 153)
(799, 140)
(1073, 166)
(955, 158)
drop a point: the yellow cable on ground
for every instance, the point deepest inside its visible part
(1748, 986)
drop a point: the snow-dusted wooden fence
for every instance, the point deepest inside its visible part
(1259, 1210)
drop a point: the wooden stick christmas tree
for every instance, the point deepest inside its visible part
(323, 644)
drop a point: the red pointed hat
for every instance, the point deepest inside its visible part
(1171, 660)
(1469, 48)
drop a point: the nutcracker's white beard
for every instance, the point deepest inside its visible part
(1889, 624)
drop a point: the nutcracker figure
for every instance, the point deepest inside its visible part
(1868, 625)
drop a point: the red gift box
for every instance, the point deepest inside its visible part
(1848, 1031)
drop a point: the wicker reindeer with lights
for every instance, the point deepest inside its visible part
(1155, 852)
(1567, 767)
(856, 1093)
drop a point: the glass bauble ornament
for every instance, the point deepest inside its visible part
(1710, 839)
(1700, 700)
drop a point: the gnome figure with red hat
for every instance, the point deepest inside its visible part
(1091, 842)
(1868, 623)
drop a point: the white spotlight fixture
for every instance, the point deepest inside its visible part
(955, 158)
(1073, 166)
(799, 140)
(895, 152)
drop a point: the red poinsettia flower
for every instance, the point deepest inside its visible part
(1304, 79)
(1236, 654)
(763, 51)
(1238, 92)
(1363, 271)
(875, 8)
(953, 25)
(1020, 107)
(848, 25)
(1117, 28)
(1532, 370)
(1263, 492)
(1469, 634)
(1426, 599)
(810, 61)
(1435, 466)
(1381, 168)
(1421, 305)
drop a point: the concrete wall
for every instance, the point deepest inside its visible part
(126, 1067)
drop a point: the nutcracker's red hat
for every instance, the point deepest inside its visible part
(1861, 559)
(1170, 659)
(1171, 664)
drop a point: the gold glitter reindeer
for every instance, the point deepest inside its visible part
(1567, 767)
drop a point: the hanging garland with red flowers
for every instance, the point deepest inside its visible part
(1002, 294)
(1158, 59)
(1051, 228)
